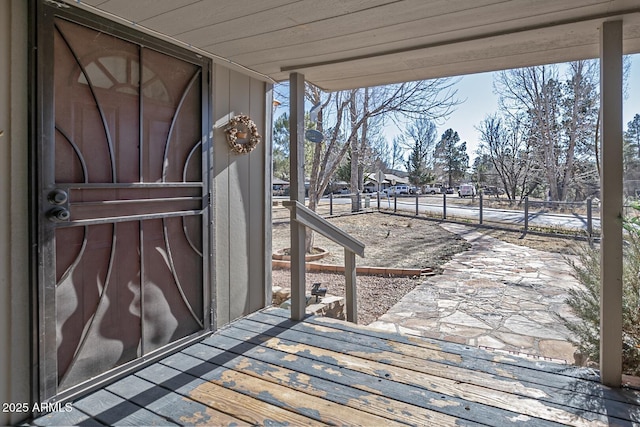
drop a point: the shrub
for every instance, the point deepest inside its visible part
(585, 302)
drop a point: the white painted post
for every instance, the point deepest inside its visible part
(611, 208)
(296, 193)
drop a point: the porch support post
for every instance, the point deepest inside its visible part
(611, 212)
(350, 286)
(296, 193)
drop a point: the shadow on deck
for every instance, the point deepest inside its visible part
(267, 370)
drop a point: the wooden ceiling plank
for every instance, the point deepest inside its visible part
(207, 14)
(340, 82)
(295, 19)
(355, 43)
(369, 28)
(413, 29)
(139, 10)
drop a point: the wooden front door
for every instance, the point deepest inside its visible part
(123, 209)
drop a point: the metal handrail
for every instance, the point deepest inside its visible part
(352, 247)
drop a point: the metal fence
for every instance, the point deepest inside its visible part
(579, 218)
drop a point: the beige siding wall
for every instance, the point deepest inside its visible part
(14, 281)
(241, 201)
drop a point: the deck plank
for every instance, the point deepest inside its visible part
(73, 417)
(471, 380)
(363, 393)
(248, 409)
(172, 406)
(363, 334)
(284, 396)
(266, 370)
(113, 410)
(557, 376)
(414, 382)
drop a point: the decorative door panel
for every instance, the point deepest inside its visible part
(124, 205)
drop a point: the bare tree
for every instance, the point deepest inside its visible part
(562, 116)
(420, 141)
(344, 115)
(397, 152)
(345, 118)
(507, 143)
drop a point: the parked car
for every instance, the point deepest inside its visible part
(448, 190)
(467, 190)
(397, 190)
(492, 191)
(341, 190)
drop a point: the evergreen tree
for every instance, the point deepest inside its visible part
(419, 175)
(280, 153)
(632, 135)
(631, 156)
(451, 157)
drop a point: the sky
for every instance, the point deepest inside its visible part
(476, 92)
(479, 101)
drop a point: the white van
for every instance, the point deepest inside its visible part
(431, 190)
(466, 190)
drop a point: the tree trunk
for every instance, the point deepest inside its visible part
(355, 155)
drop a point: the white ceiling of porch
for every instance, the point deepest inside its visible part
(339, 44)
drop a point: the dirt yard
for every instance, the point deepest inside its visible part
(395, 241)
(390, 240)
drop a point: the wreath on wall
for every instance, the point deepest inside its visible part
(242, 128)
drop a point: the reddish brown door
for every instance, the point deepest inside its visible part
(124, 204)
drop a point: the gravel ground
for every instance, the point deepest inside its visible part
(376, 295)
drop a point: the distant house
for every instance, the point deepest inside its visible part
(280, 187)
(390, 179)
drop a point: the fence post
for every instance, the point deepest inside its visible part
(395, 203)
(444, 205)
(416, 203)
(480, 206)
(589, 217)
(526, 213)
(331, 203)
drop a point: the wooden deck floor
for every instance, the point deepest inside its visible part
(267, 370)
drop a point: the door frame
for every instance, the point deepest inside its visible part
(44, 374)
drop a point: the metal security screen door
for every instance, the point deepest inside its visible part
(123, 168)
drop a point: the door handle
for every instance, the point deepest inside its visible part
(58, 214)
(60, 211)
(58, 197)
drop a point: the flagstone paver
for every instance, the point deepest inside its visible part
(496, 295)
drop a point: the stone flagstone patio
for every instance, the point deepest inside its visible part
(496, 295)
